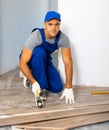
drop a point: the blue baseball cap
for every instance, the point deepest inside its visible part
(52, 15)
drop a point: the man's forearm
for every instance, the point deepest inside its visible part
(68, 64)
(69, 75)
(26, 71)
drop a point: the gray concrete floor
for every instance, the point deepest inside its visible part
(98, 126)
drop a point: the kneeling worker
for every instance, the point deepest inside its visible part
(36, 61)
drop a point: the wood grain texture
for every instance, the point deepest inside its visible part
(17, 103)
(66, 123)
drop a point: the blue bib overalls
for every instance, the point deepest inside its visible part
(42, 67)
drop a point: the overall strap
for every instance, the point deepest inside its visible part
(43, 37)
(34, 30)
(54, 46)
(48, 46)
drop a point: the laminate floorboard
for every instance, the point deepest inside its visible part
(66, 123)
(17, 103)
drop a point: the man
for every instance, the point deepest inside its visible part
(36, 61)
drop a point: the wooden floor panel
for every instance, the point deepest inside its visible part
(66, 123)
(17, 103)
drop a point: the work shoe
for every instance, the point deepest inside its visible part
(26, 83)
(44, 94)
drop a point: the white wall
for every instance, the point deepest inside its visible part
(53, 5)
(87, 24)
(17, 19)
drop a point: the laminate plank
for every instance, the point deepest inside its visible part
(52, 114)
(66, 123)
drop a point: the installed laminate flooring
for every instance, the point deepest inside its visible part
(17, 106)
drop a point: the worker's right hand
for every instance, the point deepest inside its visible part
(36, 88)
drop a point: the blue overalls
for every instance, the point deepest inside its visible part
(42, 67)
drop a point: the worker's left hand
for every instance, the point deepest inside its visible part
(69, 95)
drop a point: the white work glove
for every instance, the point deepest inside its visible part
(36, 88)
(69, 95)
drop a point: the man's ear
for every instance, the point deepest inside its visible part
(44, 24)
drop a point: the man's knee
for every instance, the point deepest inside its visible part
(57, 88)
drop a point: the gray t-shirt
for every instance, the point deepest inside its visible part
(35, 39)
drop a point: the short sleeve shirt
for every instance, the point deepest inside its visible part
(35, 39)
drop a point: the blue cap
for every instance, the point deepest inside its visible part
(52, 15)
